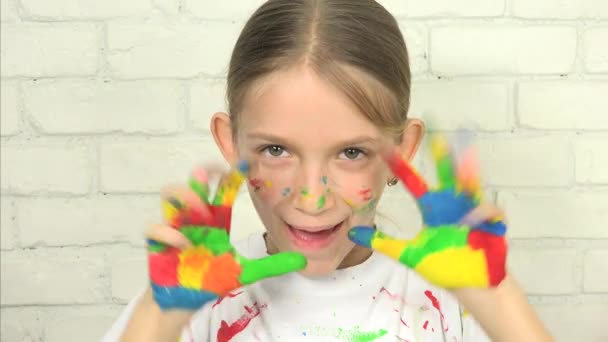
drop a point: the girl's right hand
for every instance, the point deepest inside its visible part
(191, 260)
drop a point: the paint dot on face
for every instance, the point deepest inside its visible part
(324, 180)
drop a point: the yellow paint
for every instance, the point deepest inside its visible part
(268, 184)
(439, 147)
(194, 264)
(389, 246)
(455, 267)
(169, 211)
(230, 186)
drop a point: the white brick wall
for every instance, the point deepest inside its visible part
(105, 102)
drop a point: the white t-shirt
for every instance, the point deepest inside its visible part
(379, 300)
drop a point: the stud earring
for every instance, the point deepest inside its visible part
(392, 181)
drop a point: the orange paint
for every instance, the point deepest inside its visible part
(225, 271)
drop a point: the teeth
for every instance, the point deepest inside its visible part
(312, 229)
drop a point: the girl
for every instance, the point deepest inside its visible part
(317, 90)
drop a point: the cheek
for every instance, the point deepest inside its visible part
(360, 188)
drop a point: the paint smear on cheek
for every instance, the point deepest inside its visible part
(286, 192)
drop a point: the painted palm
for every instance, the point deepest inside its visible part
(446, 252)
(189, 278)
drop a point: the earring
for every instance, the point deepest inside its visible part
(392, 181)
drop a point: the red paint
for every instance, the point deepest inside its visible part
(229, 295)
(402, 339)
(426, 324)
(391, 295)
(403, 322)
(164, 267)
(495, 249)
(222, 216)
(256, 184)
(408, 176)
(227, 331)
(436, 305)
(366, 194)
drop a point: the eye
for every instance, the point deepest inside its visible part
(275, 151)
(352, 153)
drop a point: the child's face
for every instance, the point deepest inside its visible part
(316, 168)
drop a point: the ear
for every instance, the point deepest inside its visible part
(412, 137)
(222, 134)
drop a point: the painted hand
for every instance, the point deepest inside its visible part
(206, 265)
(461, 244)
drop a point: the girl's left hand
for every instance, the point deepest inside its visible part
(462, 242)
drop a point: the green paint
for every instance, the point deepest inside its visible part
(270, 266)
(156, 247)
(304, 192)
(321, 202)
(434, 240)
(202, 190)
(445, 173)
(214, 239)
(219, 196)
(354, 335)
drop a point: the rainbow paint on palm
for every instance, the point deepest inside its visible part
(447, 253)
(211, 268)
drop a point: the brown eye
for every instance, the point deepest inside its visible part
(352, 153)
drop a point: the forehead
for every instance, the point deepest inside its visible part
(299, 104)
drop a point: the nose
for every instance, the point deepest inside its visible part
(314, 195)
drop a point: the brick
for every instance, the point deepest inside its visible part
(38, 50)
(8, 225)
(480, 49)
(179, 50)
(474, 105)
(595, 276)
(9, 109)
(222, 10)
(87, 9)
(526, 161)
(415, 36)
(66, 169)
(129, 277)
(30, 280)
(206, 98)
(578, 322)
(79, 326)
(591, 159)
(546, 272)
(21, 324)
(559, 9)
(444, 8)
(90, 107)
(557, 104)
(86, 221)
(596, 49)
(556, 213)
(8, 11)
(150, 165)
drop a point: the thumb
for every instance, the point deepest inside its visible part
(271, 266)
(372, 238)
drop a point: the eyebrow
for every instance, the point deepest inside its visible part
(283, 141)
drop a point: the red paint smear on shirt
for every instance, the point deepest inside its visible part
(227, 331)
(435, 303)
(391, 295)
(403, 322)
(229, 295)
(495, 248)
(426, 324)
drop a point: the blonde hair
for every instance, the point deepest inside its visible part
(356, 45)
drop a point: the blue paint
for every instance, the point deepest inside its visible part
(286, 191)
(176, 297)
(324, 180)
(444, 207)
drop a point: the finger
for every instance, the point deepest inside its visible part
(229, 185)
(271, 266)
(199, 183)
(443, 161)
(410, 178)
(487, 217)
(468, 174)
(372, 238)
(181, 205)
(159, 235)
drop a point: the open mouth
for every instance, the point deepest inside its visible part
(313, 237)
